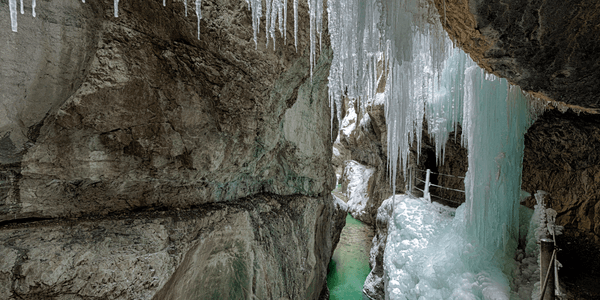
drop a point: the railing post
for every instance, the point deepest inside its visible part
(547, 256)
(426, 189)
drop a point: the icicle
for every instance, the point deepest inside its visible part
(33, 8)
(311, 10)
(285, 21)
(296, 24)
(255, 7)
(319, 20)
(83, 1)
(116, 6)
(22, 8)
(12, 6)
(198, 15)
(164, 2)
(268, 18)
(186, 9)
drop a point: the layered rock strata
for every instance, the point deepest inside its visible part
(239, 250)
(111, 128)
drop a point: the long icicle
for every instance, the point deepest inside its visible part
(12, 7)
(198, 15)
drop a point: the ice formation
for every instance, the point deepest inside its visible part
(198, 15)
(403, 41)
(428, 78)
(12, 7)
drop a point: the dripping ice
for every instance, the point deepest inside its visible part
(428, 79)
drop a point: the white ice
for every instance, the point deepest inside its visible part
(430, 255)
(198, 14)
(358, 177)
(12, 7)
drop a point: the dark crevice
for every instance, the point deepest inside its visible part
(22, 221)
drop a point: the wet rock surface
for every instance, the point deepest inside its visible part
(374, 286)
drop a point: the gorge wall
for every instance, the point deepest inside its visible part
(548, 48)
(138, 161)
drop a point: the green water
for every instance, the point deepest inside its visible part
(349, 265)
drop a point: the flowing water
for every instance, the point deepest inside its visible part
(349, 264)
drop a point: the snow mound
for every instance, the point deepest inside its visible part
(430, 255)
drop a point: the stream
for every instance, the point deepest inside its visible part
(349, 264)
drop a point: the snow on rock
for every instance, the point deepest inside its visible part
(339, 204)
(356, 183)
(374, 286)
(349, 121)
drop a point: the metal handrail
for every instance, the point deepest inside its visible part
(428, 183)
(443, 187)
(447, 175)
(449, 200)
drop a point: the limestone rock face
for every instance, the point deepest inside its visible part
(374, 285)
(237, 250)
(546, 47)
(561, 157)
(137, 161)
(160, 118)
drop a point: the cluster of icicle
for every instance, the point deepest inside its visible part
(427, 78)
(275, 19)
(407, 35)
(12, 6)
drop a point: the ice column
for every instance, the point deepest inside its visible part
(495, 119)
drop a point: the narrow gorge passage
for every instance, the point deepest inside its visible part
(349, 265)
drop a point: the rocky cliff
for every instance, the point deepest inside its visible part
(132, 150)
(549, 48)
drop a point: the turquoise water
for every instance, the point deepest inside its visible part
(349, 264)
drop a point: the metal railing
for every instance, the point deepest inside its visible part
(550, 286)
(426, 194)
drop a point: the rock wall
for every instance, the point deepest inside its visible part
(241, 250)
(448, 171)
(561, 158)
(105, 118)
(549, 47)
